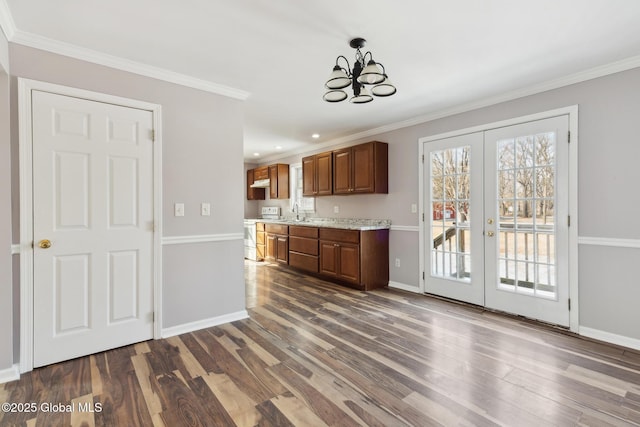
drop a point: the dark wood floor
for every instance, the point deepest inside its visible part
(315, 354)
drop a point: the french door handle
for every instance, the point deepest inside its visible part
(490, 233)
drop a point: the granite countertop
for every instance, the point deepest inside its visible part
(343, 223)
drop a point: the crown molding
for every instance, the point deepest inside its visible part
(77, 52)
(6, 20)
(590, 74)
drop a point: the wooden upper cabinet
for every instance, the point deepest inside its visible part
(261, 173)
(362, 168)
(278, 176)
(279, 181)
(342, 166)
(253, 193)
(317, 174)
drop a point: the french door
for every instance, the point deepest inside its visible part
(497, 227)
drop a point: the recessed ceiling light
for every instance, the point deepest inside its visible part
(278, 147)
(256, 154)
(315, 136)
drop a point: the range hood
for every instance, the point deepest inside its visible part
(260, 183)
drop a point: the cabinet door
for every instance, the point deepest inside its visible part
(349, 262)
(279, 181)
(362, 171)
(324, 174)
(273, 182)
(282, 249)
(308, 176)
(342, 171)
(271, 247)
(329, 258)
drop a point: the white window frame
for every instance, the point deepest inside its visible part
(306, 205)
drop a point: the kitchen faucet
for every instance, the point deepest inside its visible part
(296, 209)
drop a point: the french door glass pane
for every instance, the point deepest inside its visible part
(526, 196)
(450, 231)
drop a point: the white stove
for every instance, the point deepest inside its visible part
(270, 212)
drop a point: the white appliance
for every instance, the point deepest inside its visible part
(270, 212)
(250, 239)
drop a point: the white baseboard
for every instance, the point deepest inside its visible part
(404, 287)
(610, 338)
(202, 324)
(10, 374)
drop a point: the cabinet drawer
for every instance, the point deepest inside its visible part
(338, 235)
(303, 244)
(302, 231)
(303, 261)
(277, 229)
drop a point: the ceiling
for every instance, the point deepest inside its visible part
(439, 54)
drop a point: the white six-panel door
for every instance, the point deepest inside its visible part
(92, 226)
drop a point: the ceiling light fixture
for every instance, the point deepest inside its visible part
(369, 73)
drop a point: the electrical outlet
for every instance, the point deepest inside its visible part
(414, 208)
(205, 209)
(178, 209)
(336, 209)
(397, 262)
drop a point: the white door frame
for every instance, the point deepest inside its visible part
(25, 87)
(572, 112)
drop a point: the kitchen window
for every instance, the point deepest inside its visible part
(305, 205)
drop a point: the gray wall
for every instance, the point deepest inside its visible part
(202, 162)
(6, 310)
(609, 204)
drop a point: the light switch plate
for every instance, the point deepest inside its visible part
(178, 209)
(205, 209)
(414, 208)
(336, 209)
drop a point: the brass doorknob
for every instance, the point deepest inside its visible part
(490, 233)
(44, 244)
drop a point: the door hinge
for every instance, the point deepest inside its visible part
(422, 216)
(423, 158)
(569, 137)
(423, 275)
(569, 303)
(568, 220)
(153, 135)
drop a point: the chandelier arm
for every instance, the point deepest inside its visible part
(364, 58)
(348, 70)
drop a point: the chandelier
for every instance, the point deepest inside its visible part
(372, 74)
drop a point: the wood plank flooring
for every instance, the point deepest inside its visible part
(316, 354)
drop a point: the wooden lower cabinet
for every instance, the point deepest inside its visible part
(277, 243)
(340, 260)
(355, 258)
(303, 248)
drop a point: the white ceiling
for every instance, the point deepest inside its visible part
(439, 54)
